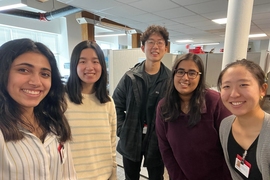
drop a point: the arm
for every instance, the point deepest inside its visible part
(119, 97)
(69, 172)
(113, 140)
(3, 157)
(169, 160)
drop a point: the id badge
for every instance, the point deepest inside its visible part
(144, 128)
(243, 167)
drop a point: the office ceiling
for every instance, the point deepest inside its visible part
(184, 19)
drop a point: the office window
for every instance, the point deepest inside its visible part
(49, 39)
(5, 35)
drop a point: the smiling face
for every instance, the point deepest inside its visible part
(29, 79)
(154, 48)
(89, 69)
(240, 91)
(185, 85)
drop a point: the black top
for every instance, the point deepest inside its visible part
(234, 148)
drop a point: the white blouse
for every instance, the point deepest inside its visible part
(30, 159)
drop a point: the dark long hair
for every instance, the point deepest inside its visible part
(49, 112)
(172, 101)
(74, 83)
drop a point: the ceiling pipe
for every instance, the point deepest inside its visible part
(48, 16)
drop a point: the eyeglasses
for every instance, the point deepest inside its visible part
(152, 43)
(191, 74)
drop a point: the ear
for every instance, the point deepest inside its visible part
(166, 49)
(264, 89)
(142, 48)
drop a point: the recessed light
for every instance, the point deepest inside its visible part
(184, 41)
(256, 35)
(204, 44)
(108, 35)
(220, 21)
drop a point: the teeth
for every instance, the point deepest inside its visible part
(31, 92)
(236, 103)
(184, 83)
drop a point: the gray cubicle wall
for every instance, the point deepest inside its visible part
(214, 65)
(213, 68)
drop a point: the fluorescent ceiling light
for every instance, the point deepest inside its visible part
(108, 35)
(11, 4)
(184, 41)
(256, 35)
(220, 21)
(204, 44)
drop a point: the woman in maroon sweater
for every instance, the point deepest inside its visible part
(187, 124)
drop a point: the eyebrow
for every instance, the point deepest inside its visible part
(31, 66)
(240, 80)
(188, 69)
(85, 58)
(157, 39)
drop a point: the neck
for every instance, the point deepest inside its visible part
(28, 116)
(32, 125)
(251, 119)
(185, 99)
(87, 88)
(152, 67)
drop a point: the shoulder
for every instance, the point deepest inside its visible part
(267, 117)
(212, 97)
(166, 69)
(227, 122)
(161, 102)
(111, 102)
(266, 125)
(212, 94)
(137, 68)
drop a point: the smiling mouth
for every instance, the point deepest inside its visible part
(89, 74)
(31, 92)
(236, 103)
(184, 84)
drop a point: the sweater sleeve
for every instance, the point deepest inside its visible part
(169, 160)
(113, 139)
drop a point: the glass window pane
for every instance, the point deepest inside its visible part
(5, 35)
(20, 33)
(50, 40)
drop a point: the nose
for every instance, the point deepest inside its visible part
(35, 80)
(89, 65)
(234, 92)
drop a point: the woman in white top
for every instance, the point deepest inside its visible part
(34, 132)
(91, 114)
